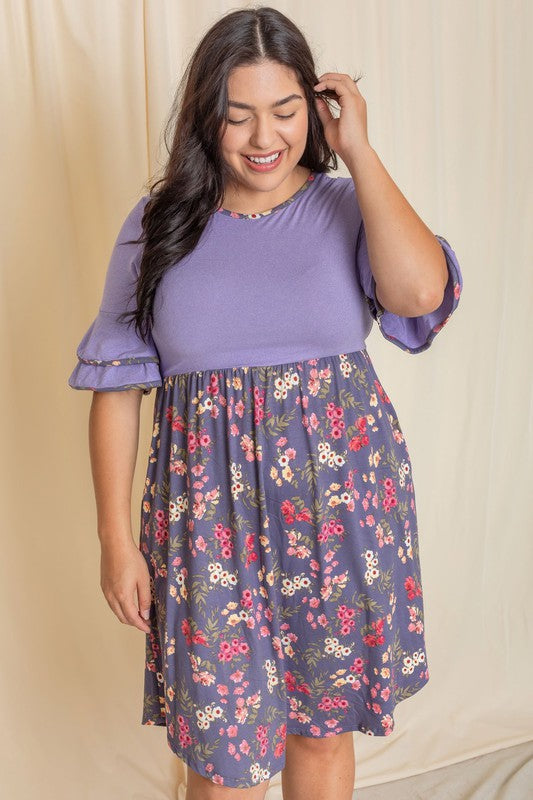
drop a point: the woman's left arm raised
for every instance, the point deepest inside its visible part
(407, 261)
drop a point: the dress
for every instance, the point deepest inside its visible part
(278, 521)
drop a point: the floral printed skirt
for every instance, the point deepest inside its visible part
(279, 529)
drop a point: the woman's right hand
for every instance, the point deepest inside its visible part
(123, 576)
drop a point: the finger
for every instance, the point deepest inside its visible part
(341, 89)
(145, 599)
(341, 78)
(335, 75)
(131, 612)
(323, 111)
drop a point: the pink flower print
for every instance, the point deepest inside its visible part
(381, 391)
(178, 424)
(287, 509)
(304, 515)
(246, 598)
(387, 723)
(247, 446)
(357, 442)
(279, 749)
(357, 666)
(412, 588)
(376, 638)
(310, 423)
(213, 384)
(225, 651)
(313, 383)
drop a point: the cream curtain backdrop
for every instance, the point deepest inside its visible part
(87, 86)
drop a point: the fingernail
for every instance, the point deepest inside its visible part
(146, 615)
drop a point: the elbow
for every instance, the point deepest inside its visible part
(432, 298)
(430, 301)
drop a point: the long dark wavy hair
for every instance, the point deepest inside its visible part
(193, 181)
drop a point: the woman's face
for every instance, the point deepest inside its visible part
(265, 126)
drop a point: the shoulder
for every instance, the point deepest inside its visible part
(335, 189)
(132, 224)
(335, 183)
(337, 196)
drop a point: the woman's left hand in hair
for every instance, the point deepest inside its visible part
(346, 134)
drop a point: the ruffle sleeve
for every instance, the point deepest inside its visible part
(413, 334)
(111, 355)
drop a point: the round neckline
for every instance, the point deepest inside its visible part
(311, 178)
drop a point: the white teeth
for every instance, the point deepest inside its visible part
(263, 160)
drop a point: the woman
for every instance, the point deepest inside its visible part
(277, 565)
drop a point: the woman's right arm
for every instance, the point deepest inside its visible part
(113, 445)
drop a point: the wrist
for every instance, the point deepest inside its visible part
(355, 161)
(115, 538)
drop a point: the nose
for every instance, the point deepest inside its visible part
(264, 134)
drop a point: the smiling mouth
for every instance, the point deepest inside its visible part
(269, 158)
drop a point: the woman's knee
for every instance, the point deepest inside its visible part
(201, 788)
(320, 745)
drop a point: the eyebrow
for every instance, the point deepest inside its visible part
(236, 104)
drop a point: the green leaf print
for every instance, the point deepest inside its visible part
(287, 612)
(367, 603)
(396, 650)
(403, 692)
(183, 697)
(309, 474)
(319, 683)
(392, 460)
(163, 490)
(204, 750)
(152, 708)
(276, 424)
(212, 628)
(359, 377)
(347, 400)
(313, 654)
(199, 590)
(385, 580)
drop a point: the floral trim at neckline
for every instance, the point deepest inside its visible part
(258, 214)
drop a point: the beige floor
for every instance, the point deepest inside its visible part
(503, 775)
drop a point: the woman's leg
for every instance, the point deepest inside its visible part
(200, 788)
(319, 769)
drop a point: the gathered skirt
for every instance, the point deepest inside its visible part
(279, 528)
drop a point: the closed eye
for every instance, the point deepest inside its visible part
(279, 116)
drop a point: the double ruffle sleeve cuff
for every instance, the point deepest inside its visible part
(413, 334)
(112, 358)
